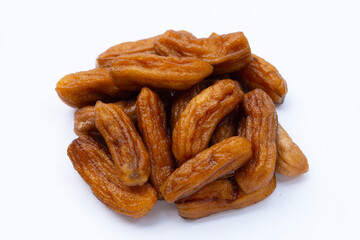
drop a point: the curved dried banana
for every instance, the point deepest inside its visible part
(260, 128)
(207, 166)
(131, 158)
(204, 112)
(227, 53)
(95, 166)
(153, 129)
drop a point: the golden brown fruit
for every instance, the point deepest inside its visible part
(141, 46)
(198, 209)
(205, 167)
(85, 88)
(261, 74)
(218, 190)
(182, 98)
(290, 161)
(131, 158)
(153, 129)
(94, 164)
(132, 72)
(260, 129)
(84, 123)
(204, 112)
(227, 128)
(227, 53)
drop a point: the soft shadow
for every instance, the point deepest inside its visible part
(164, 212)
(161, 212)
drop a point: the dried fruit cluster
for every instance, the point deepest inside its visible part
(222, 146)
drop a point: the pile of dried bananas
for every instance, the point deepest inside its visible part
(223, 143)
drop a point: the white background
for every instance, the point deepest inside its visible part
(315, 46)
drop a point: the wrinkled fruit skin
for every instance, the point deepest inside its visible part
(222, 147)
(133, 71)
(207, 166)
(131, 158)
(227, 53)
(95, 166)
(84, 123)
(218, 190)
(227, 128)
(85, 88)
(153, 129)
(260, 129)
(182, 98)
(202, 114)
(290, 161)
(142, 46)
(261, 74)
(206, 206)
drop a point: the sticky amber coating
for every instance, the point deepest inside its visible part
(207, 166)
(260, 128)
(227, 53)
(131, 158)
(84, 123)
(134, 71)
(262, 74)
(153, 129)
(204, 112)
(290, 161)
(94, 164)
(85, 88)
(202, 208)
(141, 46)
